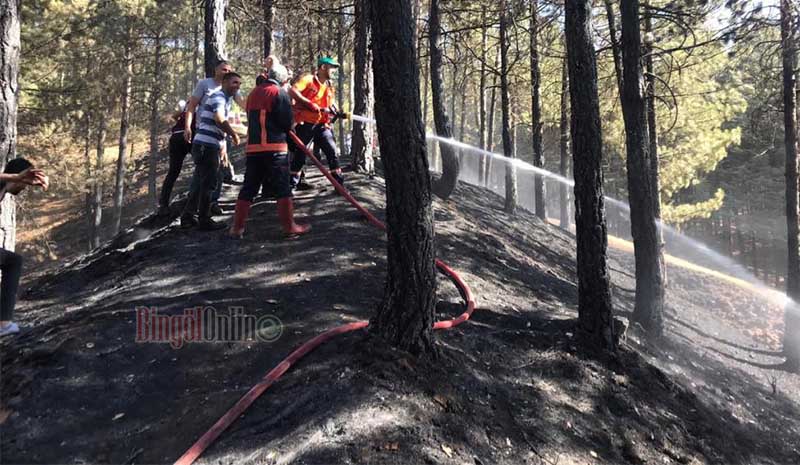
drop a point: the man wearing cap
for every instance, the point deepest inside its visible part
(313, 98)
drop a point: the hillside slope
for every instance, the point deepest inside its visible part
(510, 386)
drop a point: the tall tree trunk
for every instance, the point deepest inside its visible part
(536, 114)
(594, 293)
(652, 131)
(791, 337)
(340, 75)
(508, 143)
(482, 99)
(87, 158)
(405, 317)
(9, 73)
(97, 206)
(215, 34)
(195, 54)
(268, 8)
(124, 124)
(649, 306)
(288, 43)
(425, 93)
(462, 117)
(155, 96)
(563, 166)
(490, 125)
(445, 185)
(360, 146)
(615, 48)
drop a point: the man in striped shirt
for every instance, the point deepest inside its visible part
(197, 99)
(209, 140)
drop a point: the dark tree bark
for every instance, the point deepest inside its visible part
(649, 306)
(97, 206)
(405, 317)
(445, 185)
(594, 294)
(536, 114)
(215, 33)
(124, 125)
(563, 166)
(9, 74)
(268, 9)
(652, 131)
(615, 48)
(340, 75)
(360, 146)
(791, 337)
(155, 96)
(508, 143)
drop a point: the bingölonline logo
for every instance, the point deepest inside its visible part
(205, 324)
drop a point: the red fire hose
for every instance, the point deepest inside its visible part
(273, 375)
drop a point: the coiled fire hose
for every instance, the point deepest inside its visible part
(274, 374)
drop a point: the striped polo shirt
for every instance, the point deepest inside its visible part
(208, 132)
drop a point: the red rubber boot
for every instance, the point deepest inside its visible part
(239, 218)
(286, 217)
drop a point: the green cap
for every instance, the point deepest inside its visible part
(327, 61)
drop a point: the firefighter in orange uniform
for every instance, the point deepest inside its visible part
(313, 111)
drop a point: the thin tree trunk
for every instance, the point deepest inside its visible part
(340, 74)
(536, 114)
(87, 157)
(426, 91)
(124, 124)
(594, 293)
(445, 185)
(652, 129)
(268, 9)
(482, 100)
(615, 48)
(462, 119)
(490, 125)
(195, 54)
(563, 166)
(405, 317)
(649, 306)
(97, 207)
(361, 148)
(791, 337)
(9, 73)
(155, 95)
(215, 34)
(508, 143)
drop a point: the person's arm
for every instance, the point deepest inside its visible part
(30, 176)
(284, 110)
(222, 122)
(190, 109)
(240, 100)
(295, 94)
(197, 95)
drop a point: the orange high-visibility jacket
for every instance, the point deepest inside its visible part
(309, 87)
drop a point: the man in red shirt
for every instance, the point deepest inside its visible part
(313, 99)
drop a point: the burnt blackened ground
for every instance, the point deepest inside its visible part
(510, 386)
